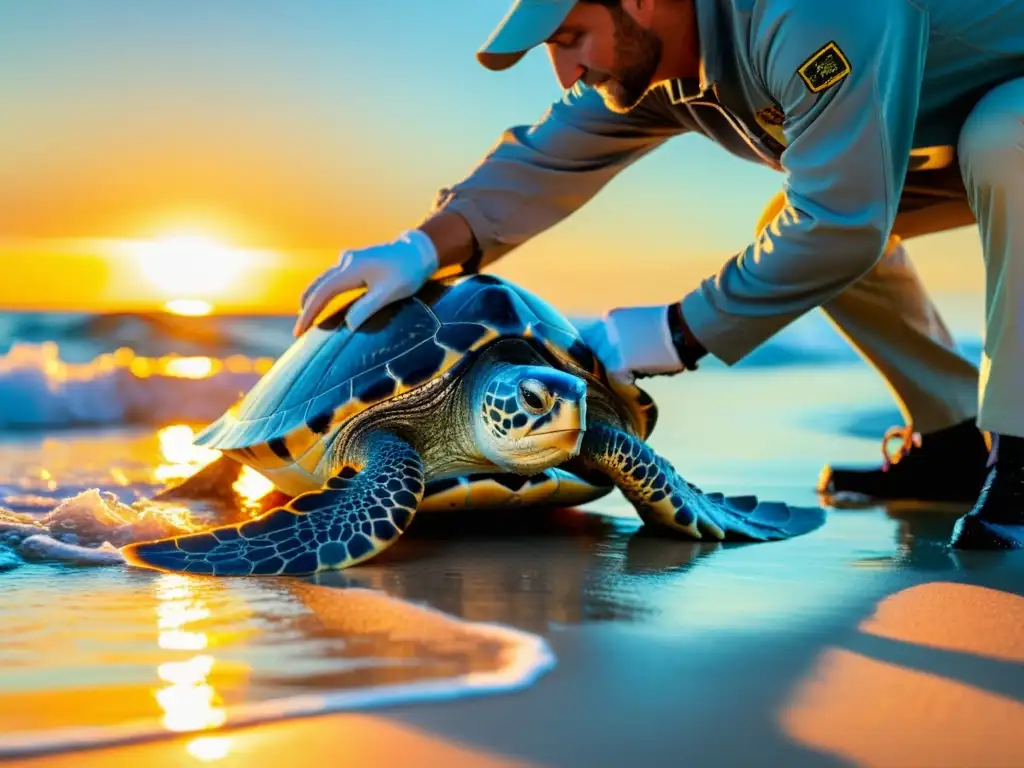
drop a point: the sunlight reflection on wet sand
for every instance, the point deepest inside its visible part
(188, 700)
(344, 740)
(231, 652)
(640, 624)
(878, 711)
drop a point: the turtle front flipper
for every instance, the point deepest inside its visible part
(664, 499)
(358, 513)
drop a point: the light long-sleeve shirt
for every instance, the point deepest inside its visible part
(845, 98)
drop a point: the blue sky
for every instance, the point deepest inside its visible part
(310, 126)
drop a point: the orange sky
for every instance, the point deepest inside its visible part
(247, 124)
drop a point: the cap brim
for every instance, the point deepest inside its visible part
(528, 24)
(498, 61)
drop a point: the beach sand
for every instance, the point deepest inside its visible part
(867, 642)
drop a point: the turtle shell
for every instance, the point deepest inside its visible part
(330, 374)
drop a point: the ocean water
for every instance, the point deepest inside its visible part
(62, 371)
(97, 413)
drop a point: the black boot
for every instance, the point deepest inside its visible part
(948, 465)
(997, 519)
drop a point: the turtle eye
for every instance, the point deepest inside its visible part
(533, 395)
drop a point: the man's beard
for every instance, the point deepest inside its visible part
(637, 55)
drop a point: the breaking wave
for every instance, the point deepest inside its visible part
(62, 371)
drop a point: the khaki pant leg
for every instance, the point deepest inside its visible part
(889, 319)
(991, 158)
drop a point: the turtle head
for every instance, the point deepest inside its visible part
(528, 418)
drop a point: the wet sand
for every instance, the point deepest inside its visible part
(867, 642)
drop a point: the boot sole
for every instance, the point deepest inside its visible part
(854, 500)
(971, 532)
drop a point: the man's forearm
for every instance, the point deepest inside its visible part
(536, 175)
(452, 237)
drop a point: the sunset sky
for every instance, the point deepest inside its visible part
(265, 136)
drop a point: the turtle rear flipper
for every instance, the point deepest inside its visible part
(215, 481)
(664, 499)
(358, 513)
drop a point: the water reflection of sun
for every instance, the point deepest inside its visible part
(188, 700)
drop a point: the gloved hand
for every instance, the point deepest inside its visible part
(633, 340)
(390, 271)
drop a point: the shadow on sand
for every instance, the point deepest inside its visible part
(637, 691)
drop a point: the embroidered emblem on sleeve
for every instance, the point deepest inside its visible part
(826, 67)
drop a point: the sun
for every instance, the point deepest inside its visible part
(188, 307)
(191, 270)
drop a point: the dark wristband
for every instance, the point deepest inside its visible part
(687, 347)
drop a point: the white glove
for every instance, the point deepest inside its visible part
(632, 340)
(390, 271)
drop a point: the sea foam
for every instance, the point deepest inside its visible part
(162, 372)
(521, 660)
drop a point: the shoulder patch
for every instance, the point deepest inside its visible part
(826, 67)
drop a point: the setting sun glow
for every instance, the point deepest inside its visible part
(190, 269)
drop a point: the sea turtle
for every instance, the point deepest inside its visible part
(473, 392)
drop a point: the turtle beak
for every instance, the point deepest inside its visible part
(562, 427)
(567, 441)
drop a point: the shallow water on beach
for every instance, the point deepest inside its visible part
(124, 652)
(111, 645)
(104, 653)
